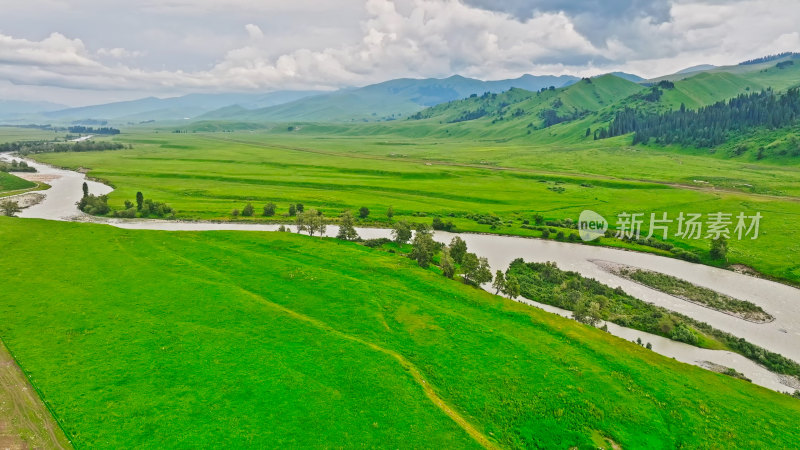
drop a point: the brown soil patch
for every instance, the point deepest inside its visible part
(25, 422)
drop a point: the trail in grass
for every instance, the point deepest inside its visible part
(407, 365)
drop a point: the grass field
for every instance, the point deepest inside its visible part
(142, 338)
(205, 176)
(9, 183)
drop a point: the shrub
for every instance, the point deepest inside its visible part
(248, 210)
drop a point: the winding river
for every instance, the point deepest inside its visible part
(781, 301)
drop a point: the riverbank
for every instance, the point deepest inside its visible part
(779, 336)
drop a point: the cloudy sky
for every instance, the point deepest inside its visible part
(88, 51)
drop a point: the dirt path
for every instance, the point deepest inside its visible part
(410, 368)
(25, 422)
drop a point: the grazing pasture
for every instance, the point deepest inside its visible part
(144, 338)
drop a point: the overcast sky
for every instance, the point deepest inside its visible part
(89, 51)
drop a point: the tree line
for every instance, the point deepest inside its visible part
(29, 147)
(16, 166)
(91, 130)
(592, 302)
(708, 126)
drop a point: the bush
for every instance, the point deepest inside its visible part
(94, 205)
(438, 224)
(363, 212)
(248, 210)
(129, 213)
(375, 243)
(269, 210)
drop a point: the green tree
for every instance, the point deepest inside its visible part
(719, 248)
(269, 209)
(447, 264)
(458, 248)
(363, 212)
(423, 246)
(85, 189)
(512, 289)
(312, 221)
(248, 210)
(390, 212)
(235, 213)
(347, 230)
(401, 232)
(587, 311)
(139, 201)
(292, 210)
(300, 208)
(499, 283)
(476, 270)
(9, 208)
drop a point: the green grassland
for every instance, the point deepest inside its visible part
(273, 339)
(205, 176)
(10, 182)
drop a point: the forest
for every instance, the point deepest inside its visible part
(708, 126)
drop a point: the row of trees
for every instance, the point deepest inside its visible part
(90, 130)
(270, 209)
(16, 166)
(708, 126)
(29, 147)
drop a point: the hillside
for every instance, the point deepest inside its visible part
(535, 109)
(363, 346)
(389, 100)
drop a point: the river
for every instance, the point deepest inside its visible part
(781, 301)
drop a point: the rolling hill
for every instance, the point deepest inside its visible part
(384, 101)
(535, 109)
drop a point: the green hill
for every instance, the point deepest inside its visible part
(389, 100)
(298, 334)
(522, 109)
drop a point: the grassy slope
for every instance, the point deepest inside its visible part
(255, 339)
(9, 182)
(206, 176)
(582, 96)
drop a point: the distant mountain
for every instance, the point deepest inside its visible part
(748, 68)
(628, 76)
(698, 68)
(174, 108)
(384, 101)
(13, 108)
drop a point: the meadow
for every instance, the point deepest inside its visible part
(166, 339)
(10, 183)
(207, 175)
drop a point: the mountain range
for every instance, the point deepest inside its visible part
(406, 98)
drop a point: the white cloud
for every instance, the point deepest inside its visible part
(277, 46)
(119, 53)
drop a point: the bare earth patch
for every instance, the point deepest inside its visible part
(37, 177)
(25, 422)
